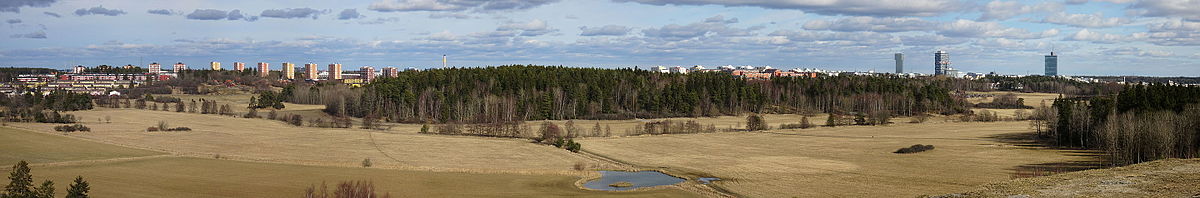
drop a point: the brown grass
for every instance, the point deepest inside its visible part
(36, 147)
(838, 162)
(196, 177)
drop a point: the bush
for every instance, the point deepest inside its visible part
(72, 128)
(296, 120)
(366, 163)
(914, 149)
(152, 129)
(573, 146)
(754, 122)
(919, 118)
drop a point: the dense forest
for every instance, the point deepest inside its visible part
(1139, 124)
(519, 92)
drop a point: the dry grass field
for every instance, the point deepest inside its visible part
(36, 147)
(196, 177)
(840, 162)
(1162, 178)
(273, 141)
(820, 162)
(1031, 99)
(115, 171)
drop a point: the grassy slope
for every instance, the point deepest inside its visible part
(36, 147)
(1162, 178)
(196, 177)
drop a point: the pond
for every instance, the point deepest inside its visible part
(630, 180)
(706, 180)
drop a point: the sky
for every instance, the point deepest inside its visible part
(1092, 37)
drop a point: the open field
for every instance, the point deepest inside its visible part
(115, 171)
(843, 161)
(273, 141)
(196, 177)
(1031, 99)
(1162, 178)
(34, 147)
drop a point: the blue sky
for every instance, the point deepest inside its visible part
(1096, 37)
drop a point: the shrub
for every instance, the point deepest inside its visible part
(919, 118)
(754, 122)
(914, 149)
(573, 146)
(296, 120)
(366, 163)
(252, 113)
(152, 129)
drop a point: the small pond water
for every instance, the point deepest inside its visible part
(639, 179)
(707, 180)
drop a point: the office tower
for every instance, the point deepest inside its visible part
(899, 63)
(1052, 64)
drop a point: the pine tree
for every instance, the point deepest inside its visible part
(79, 189)
(20, 181)
(44, 191)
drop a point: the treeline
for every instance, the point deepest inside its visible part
(517, 93)
(44, 108)
(1141, 123)
(9, 74)
(1051, 84)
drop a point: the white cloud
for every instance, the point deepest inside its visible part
(1186, 9)
(873, 24)
(968, 28)
(1134, 51)
(1097, 37)
(536, 27)
(1096, 20)
(455, 5)
(835, 7)
(1001, 10)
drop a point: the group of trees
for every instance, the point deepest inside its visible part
(1005, 101)
(345, 189)
(671, 127)
(1050, 84)
(1141, 123)
(518, 92)
(267, 99)
(21, 185)
(56, 100)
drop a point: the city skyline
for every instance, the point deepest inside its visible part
(1110, 37)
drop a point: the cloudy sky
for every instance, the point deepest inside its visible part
(1093, 37)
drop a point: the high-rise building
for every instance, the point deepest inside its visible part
(391, 72)
(79, 69)
(215, 65)
(288, 71)
(178, 67)
(239, 66)
(899, 63)
(367, 72)
(310, 71)
(1052, 64)
(154, 68)
(264, 69)
(941, 63)
(335, 71)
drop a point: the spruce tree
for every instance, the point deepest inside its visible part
(20, 181)
(44, 191)
(79, 189)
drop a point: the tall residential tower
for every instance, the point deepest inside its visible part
(1052, 64)
(941, 63)
(899, 63)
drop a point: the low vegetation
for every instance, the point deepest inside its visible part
(1005, 101)
(71, 128)
(914, 149)
(345, 189)
(163, 126)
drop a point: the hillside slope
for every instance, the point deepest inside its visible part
(1162, 178)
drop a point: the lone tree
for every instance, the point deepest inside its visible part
(550, 132)
(754, 122)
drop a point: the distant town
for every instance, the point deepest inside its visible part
(104, 79)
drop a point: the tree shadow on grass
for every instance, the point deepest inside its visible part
(1094, 159)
